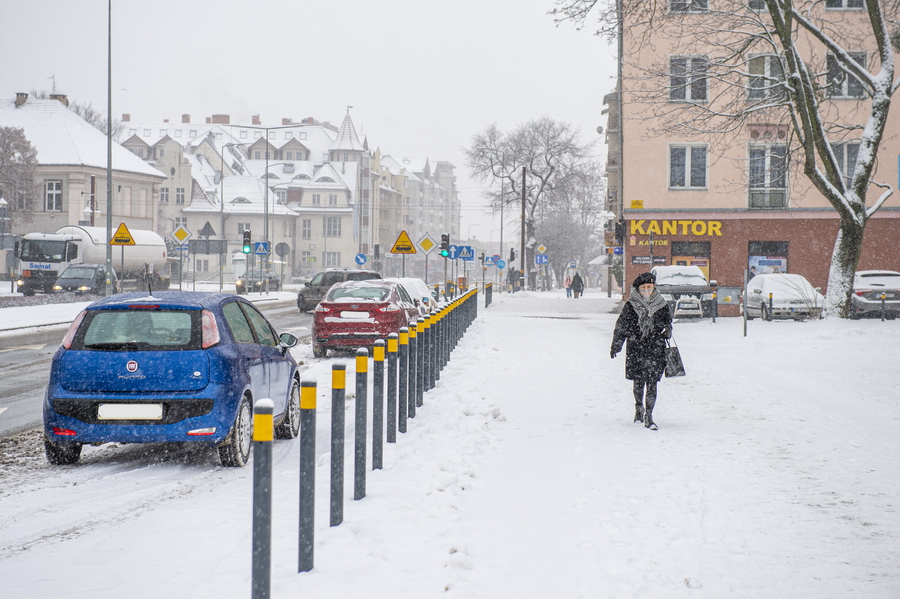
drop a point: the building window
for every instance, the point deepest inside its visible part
(306, 258)
(687, 167)
(687, 78)
(846, 155)
(843, 3)
(179, 195)
(257, 134)
(687, 5)
(842, 84)
(766, 78)
(243, 135)
(147, 132)
(177, 132)
(768, 176)
(201, 265)
(301, 135)
(306, 229)
(288, 134)
(193, 133)
(256, 154)
(332, 199)
(290, 156)
(160, 152)
(281, 194)
(139, 152)
(331, 226)
(331, 259)
(181, 221)
(53, 197)
(163, 195)
(316, 199)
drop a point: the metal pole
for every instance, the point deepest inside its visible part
(307, 476)
(109, 264)
(338, 392)
(378, 405)
(359, 453)
(263, 432)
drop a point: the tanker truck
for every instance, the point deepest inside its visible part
(43, 256)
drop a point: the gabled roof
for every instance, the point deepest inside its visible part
(346, 137)
(61, 137)
(327, 178)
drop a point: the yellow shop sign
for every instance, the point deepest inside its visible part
(676, 227)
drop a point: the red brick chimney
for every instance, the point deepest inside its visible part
(255, 120)
(221, 119)
(287, 121)
(185, 118)
(21, 98)
(61, 97)
(208, 120)
(126, 118)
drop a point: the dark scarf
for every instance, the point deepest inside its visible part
(646, 308)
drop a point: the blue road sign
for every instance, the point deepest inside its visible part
(541, 259)
(501, 263)
(467, 252)
(617, 251)
(488, 260)
(453, 252)
(360, 259)
(260, 248)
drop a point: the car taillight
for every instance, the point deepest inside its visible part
(390, 308)
(861, 292)
(210, 329)
(70, 334)
(321, 308)
(64, 432)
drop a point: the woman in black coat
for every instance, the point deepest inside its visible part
(577, 285)
(645, 323)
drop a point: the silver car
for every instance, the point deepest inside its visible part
(782, 295)
(868, 288)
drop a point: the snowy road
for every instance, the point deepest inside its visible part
(773, 474)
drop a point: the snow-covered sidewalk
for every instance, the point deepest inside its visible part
(774, 474)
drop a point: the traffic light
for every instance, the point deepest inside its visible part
(512, 254)
(445, 244)
(246, 248)
(377, 251)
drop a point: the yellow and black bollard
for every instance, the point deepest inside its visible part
(359, 450)
(392, 388)
(403, 380)
(378, 405)
(263, 432)
(338, 393)
(307, 475)
(412, 394)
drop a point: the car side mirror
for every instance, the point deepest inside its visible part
(713, 283)
(286, 341)
(416, 302)
(308, 284)
(818, 289)
(757, 291)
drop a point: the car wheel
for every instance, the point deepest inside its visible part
(290, 426)
(61, 455)
(319, 351)
(236, 451)
(301, 303)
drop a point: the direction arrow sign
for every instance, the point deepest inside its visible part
(360, 259)
(617, 251)
(260, 248)
(122, 236)
(403, 245)
(453, 252)
(541, 259)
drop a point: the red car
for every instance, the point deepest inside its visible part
(357, 313)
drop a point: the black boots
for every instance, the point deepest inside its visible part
(638, 413)
(648, 421)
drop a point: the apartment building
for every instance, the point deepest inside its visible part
(732, 196)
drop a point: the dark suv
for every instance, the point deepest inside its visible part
(313, 292)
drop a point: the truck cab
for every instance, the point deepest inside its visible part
(41, 257)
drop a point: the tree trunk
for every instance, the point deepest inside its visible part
(847, 249)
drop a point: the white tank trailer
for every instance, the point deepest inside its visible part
(42, 256)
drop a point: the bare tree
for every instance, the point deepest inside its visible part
(18, 160)
(779, 62)
(549, 151)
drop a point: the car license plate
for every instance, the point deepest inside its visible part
(354, 315)
(128, 411)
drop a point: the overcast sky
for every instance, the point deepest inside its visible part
(422, 76)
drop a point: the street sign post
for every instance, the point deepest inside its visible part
(360, 259)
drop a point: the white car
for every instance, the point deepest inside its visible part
(868, 287)
(420, 292)
(791, 295)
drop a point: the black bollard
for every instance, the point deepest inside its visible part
(338, 393)
(378, 405)
(412, 394)
(263, 432)
(307, 475)
(359, 450)
(403, 380)
(392, 388)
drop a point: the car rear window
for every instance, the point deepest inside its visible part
(374, 294)
(362, 276)
(139, 330)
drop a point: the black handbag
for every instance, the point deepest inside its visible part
(674, 365)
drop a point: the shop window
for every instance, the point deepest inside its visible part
(767, 256)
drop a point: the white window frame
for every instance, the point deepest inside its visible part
(179, 195)
(53, 195)
(695, 71)
(846, 159)
(316, 199)
(687, 174)
(331, 259)
(763, 193)
(163, 195)
(762, 86)
(306, 228)
(331, 226)
(688, 6)
(332, 199)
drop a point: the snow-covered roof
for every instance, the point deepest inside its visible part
(61, 137)
(243, 195)
(346, 137)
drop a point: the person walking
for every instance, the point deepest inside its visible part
(568, 286)
(577, 285)
(645, 323)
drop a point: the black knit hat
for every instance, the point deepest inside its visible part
(643, 279)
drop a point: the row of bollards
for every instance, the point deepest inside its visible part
(415, 357)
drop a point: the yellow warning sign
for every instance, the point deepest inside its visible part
(122, 236)
(403, 245)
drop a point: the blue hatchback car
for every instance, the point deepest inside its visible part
(167, 367)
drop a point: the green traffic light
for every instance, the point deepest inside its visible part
(246, 249)
(445, 253)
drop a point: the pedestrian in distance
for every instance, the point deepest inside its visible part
(568, 286)
(577, 285)
(644, 323)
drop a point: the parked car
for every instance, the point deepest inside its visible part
(422, 294)
(313, 292)
(686, 290)
(792, 297)
(174, 366)
(868, 286)
(358, 313)
(85, 278)
(255, 280)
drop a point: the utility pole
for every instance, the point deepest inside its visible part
(524, 253)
